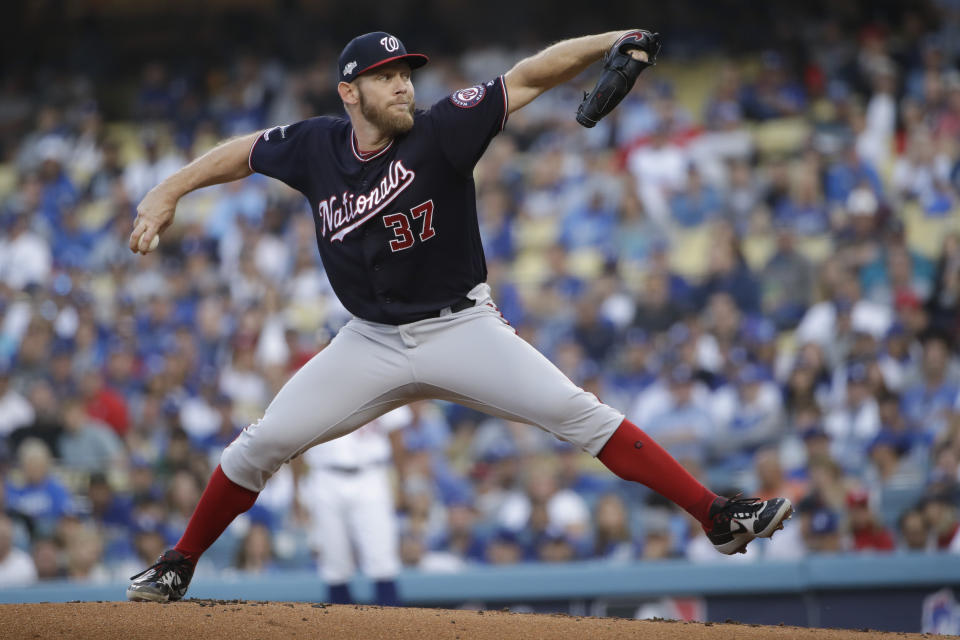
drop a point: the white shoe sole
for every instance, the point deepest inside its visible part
(783, 513)
(142, 595)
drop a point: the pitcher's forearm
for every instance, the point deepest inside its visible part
(224, 163)
(564, 60)
(555, 65)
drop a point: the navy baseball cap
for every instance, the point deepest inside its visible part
(371, 50)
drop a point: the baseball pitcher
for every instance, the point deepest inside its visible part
(392, 195)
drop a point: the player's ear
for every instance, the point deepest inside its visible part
(349, 92)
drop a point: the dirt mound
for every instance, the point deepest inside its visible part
(241, 620)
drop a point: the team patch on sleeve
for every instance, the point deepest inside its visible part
(469, 97)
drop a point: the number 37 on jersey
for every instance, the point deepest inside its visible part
(401, 224)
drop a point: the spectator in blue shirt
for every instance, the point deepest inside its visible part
(697, 203)
(752, 418)
(109, 508)
(460, 537)
(113, 515)
(71, 242)
(594, 333)
(214, 444)
(635, 369)
(804, 207)
(560, 280)
(240, 115)
(636, 235)
(155, 326)
(156, 98)
(496, 230)
(505, 292)
(729, 273)
(58, 192)
(927, 404)
(677, 419)
(773, 94)
(848, 172)
(571, 474)
(37, 494)
(503, 547)
(592, 224)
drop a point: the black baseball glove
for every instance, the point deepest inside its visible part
(620, 71)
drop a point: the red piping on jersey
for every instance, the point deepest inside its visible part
(406, 55)
(506, 102)
(250, 155)
(359, 155)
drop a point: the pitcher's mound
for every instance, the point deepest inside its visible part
(239, 620)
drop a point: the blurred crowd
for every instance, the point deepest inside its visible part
(756, 260)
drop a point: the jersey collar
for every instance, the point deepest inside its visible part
(366, 157)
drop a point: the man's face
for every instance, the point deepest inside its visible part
(914, 531)
(935, 357)
(386, 97)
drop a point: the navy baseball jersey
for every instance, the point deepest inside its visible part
(397, 228)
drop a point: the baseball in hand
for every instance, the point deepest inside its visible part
(154, 243)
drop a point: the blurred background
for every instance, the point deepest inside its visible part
(756, 258)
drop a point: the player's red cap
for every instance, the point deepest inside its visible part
(372, 50)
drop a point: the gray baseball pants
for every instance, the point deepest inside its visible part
(472, 357)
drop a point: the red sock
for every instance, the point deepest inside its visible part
(221, 502)
(633, 455)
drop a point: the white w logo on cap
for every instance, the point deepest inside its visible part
(390, 43)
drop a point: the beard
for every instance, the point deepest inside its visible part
(387, 119)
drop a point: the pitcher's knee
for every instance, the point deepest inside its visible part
(238, 469)
(590, 429)
(251, 461)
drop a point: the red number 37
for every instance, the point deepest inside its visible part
(400, 224)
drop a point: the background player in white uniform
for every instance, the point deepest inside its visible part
(348, 493)
(394, 204)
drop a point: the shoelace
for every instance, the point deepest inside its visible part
(179, 567)
(738, 507)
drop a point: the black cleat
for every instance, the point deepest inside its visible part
(165, 581)
(739, 520)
